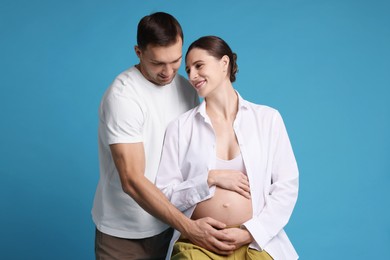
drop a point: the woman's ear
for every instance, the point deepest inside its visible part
(225, 62)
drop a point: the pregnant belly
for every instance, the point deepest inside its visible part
(226, 206)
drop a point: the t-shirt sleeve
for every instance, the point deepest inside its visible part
(122, 119)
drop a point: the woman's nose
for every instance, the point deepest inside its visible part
(192, 75)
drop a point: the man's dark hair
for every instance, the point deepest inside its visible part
(159, 29)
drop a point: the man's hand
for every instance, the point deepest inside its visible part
(230, 180)
(207, 233)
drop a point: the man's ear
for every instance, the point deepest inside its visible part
(138, 51)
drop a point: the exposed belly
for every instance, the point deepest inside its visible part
(226, 206)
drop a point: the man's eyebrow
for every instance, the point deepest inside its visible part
(161, 62)
(178, 59)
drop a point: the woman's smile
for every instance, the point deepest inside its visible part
(199, 84)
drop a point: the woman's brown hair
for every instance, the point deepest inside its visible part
(217, 48)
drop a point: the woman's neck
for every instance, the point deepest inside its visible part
(222, 104)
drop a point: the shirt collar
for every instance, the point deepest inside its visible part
(201, 109)
(242, 103)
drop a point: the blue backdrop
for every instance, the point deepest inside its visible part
(325, 65)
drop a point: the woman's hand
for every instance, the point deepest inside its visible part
(230, 180)
(210, 234)
(240, 236)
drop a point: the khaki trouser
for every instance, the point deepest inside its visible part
(114, 248)
(183, 249)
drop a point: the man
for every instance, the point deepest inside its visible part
(133, 115)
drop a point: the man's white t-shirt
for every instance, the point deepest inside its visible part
(134, 110)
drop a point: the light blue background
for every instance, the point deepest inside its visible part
(324, 64)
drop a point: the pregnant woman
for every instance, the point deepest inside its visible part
(230, 160)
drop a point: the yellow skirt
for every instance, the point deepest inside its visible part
(184, 249)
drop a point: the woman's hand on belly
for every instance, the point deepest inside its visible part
(230, 180)
(240, 236)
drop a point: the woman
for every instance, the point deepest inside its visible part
(230, 160)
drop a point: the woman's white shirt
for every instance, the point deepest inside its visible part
(189, 153)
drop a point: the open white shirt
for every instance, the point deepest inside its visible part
(189, 153)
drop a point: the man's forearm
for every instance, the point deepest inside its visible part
(152, 200)
(202, 232)
(130, 162)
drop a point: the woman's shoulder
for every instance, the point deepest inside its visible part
(185, 118)
(260, 108)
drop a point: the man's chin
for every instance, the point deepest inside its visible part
(165, 82)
